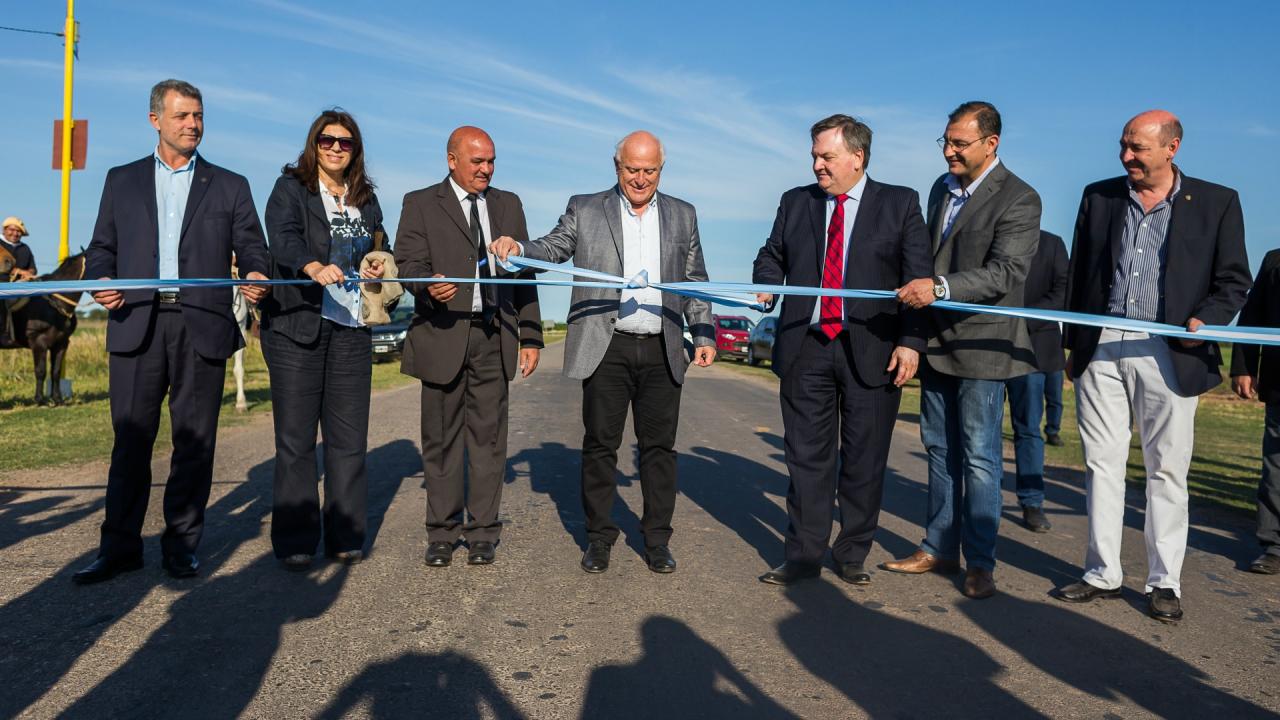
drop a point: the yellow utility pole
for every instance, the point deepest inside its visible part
(69, 37)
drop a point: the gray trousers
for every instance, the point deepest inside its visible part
(464, 443)
(1269, 487)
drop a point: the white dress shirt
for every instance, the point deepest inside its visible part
(851, 204)
(641, 310)
(477, 305)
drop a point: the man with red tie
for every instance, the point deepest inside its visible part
(842, 363)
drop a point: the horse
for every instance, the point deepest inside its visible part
(44, 323)
(244, 320)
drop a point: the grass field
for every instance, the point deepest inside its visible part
(1225, 464)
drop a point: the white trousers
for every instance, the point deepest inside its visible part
(1130, 380)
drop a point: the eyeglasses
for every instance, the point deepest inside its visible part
(345, 144)
(959, 145)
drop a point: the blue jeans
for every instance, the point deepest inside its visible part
(1026, 405)
(1053, 403)
(960, 423)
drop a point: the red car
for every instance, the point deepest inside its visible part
(732, 335)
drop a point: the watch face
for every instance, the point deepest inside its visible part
(939, 291)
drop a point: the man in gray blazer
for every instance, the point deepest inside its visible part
(628, 348)
(985, 224)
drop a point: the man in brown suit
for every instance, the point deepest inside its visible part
(463, 343)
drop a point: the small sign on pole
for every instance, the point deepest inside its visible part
(79, 144)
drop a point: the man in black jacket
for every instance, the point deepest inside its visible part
(1252, 371)
(1153, 245)
(1046, 289)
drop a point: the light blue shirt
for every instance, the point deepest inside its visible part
(851, 204)
(956, 198)
(172, 189)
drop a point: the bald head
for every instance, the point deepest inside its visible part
(471, 155)
(1162, 122)
(638, 160)
(1147, 148)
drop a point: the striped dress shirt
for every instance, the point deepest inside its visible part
(1138, 279)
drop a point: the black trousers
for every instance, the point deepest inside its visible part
(633, 373)
(322, 384)
(837, 433)
(464, 442)
(166, 363)
(1269, 485)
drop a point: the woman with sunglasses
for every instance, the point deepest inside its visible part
(323, 218)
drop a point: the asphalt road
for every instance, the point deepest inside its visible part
(533, 636)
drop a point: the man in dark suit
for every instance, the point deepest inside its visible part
(626, 347)
(1046, 289)
(169, 215)
(985, 223)
(1255, 374)
(842, 363)
(1151, 245)
(466, 343)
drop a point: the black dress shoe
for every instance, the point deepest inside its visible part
(1266, 564)
(180, 565)
(855, 574)
(1083, 592)
(1035, 521)
(789, 572)
(439, 554)
(596, 558)
(105, 568)
(1164, 605)
(481, 553)
(660, 559)
(1054, 439)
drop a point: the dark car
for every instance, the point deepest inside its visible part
(760, 346)
(732, 332)
(388, 339)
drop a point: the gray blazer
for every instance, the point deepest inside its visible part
(590, 231)
(985, 259)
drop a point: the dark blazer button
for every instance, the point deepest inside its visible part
(613, 320)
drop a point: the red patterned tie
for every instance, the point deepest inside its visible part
(831, 318)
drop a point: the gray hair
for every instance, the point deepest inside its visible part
(854, 132)
(662, 150)
(162, 88)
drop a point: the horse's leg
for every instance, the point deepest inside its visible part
(242, 404)
(57, 355)
(37, 357)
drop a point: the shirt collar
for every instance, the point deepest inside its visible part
(191, 164)
(1173, 191)
(462, 194)
(855, 192)
(953, 185)
(12, 245)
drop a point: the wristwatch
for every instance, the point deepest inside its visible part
(939, 288)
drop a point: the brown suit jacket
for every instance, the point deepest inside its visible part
(434, 237)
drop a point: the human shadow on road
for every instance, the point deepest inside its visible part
(1101, 661)
(555, 470)
(738, 492)
(891, 667)
(221, 632)
(15, 510)
(680, 675)
(420, 685)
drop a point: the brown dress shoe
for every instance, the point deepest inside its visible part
(921, 562)
(979, 584)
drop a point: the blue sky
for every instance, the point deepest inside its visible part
(731, 89)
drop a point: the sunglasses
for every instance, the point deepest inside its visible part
(345, 144)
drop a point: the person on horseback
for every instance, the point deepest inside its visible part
(24, 268)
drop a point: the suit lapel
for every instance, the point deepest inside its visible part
(149, 182)
(939, 216)
(199, 186)
(868, 208)
(449, 203)
(1115, 231)
(315, 206)
(818, 219)
(495, 208)
(612, 216)
(987, 190)
(667, 234)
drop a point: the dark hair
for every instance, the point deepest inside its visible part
(985, 113)
(856, 134)
(306, 169)
(162, 88)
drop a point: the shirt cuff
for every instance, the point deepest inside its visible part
(946, 289)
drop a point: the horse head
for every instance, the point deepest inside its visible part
(6, 264)
(70, 269)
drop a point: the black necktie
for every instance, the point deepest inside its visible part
(488, 293)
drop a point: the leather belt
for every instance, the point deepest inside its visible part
(641, 336)
(167, 298)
